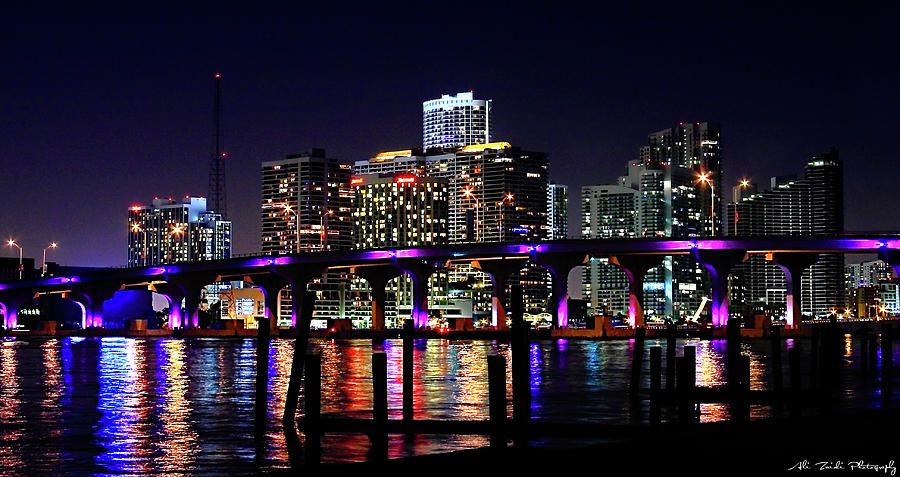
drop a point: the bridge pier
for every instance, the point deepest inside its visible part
(271, 285)
(559, 265)
(175, 295)
(419, 272)
(95, 293)
(636, 268)
(191, 286)
(10, 303)
(793, 265)
(718, 263)
(499, 270)
(378, 277)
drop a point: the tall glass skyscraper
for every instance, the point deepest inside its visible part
(453, 121)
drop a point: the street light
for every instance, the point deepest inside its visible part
(471, 195)
(286, 208)
(704, 178)
(12, 243)
(44, 260)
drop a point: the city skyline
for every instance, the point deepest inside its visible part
(115, 138)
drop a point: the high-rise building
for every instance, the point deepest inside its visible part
(876, 277)
(557, 211)
(307, 207)
(609, 211)
(697, 148)
(669, 201)
(812, 207)
(306, 198)
(399, 210)
(453, 121)
(495, 192)
(171, 231)
(392, 162)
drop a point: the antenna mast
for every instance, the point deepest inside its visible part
(217, 162)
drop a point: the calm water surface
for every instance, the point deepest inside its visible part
(119, 405)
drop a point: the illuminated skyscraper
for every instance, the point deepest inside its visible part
(171, 231)
(609, 211)
(307, 199)
(812, 207)
(400, 210)
(557, 211)
(454, 121)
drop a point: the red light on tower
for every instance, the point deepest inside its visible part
(405, 180)
(356, 181)
(218, 75)
(136, 208)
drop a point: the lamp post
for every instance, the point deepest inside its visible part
(12, 243)
(287, 209)
(501, 226)
(44, 260)
(704, 178)
(471, 195)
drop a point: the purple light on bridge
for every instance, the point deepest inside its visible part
(377, 255)
(258, 262)
(57, 280)
(524, 248)
(562, 312)
(282, 261)
(408, 253)
(155, 271)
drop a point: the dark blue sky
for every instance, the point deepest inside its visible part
(102, 108)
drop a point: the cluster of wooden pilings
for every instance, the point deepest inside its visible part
(680, 394)
(821, 373)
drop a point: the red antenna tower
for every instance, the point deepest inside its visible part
(217, 199)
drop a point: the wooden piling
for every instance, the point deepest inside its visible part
(733, 353)
(300, 342)
(497, 398)
(312, 409)
(408, 328)
(671, 336)
(655, 384)
(687, 378)
(379, 388)
(637, 363)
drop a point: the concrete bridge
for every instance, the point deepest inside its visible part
(184, 281)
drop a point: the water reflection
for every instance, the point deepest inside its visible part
(179, 445)
(117, 405)
(10, 402)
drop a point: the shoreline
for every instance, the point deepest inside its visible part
(567, 333)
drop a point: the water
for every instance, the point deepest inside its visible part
(120, 405)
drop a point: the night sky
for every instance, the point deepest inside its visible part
(104, 108)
